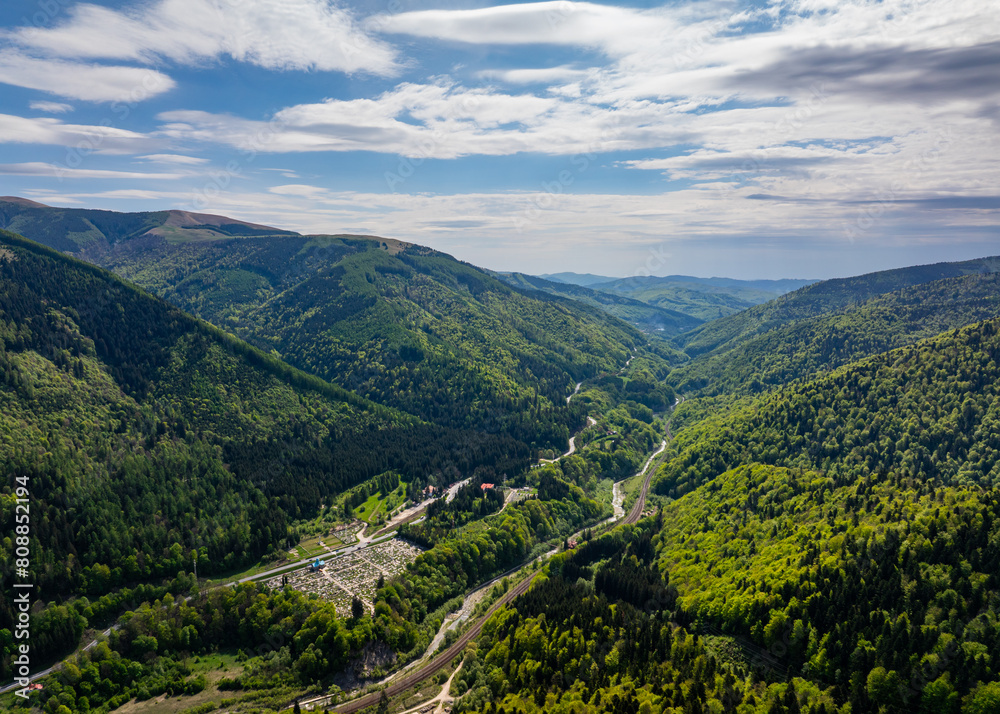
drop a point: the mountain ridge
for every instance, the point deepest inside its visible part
(402, 324)
(823, 297)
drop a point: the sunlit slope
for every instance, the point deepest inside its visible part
(144, 433)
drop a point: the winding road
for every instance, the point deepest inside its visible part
(442, 660)
(432, 667)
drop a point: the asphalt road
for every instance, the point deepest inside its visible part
(439, 662)
(442, 660)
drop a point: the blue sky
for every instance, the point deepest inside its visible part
(795, 138)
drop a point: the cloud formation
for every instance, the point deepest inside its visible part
(275, 34)
(76, 80)
(614, 30)
(51, 107)
(847, 122)
(55, 132)
(38, 168)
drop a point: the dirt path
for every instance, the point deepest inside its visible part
(436, 705)
(401, 684)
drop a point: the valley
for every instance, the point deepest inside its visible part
(344, 473)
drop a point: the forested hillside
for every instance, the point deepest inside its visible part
(804, 348)
(400, 324)
(883, 587)
(649, 318)
(927, 411)
(767, 591)
(75, 230)
(702, 299)
(149, 438)
(824, 297)
(835, 547)
(598, 635)
(825, 534)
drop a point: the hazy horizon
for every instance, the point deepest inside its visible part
(747, 139)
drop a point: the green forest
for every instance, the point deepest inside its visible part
(926, 411)
(151, 440)
(400, 324)
(821, 535)
(804, 348)
(825, 297)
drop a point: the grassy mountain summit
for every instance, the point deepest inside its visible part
(75, 230)
(400, 324)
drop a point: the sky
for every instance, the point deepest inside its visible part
(784, 139)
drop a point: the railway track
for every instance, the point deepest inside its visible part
(640, 503)
(436, 664)
(442, 660)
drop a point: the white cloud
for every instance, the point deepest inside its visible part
(682, 74)
(51, 107)
(276, 34)
(621, 234)
(547, 75)
(286, 173)
(173, 159)
(612, 29)
(38, 168)
(51, 197)
(158, 199)
(436, 121)
(796, 127)
(75, 80)
(84, 138)
(299, 190)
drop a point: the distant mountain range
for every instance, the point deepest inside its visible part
(658, 306)
(824, 530)
(584, 279)
(648, 318)
(701, 298)
(776, 287)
